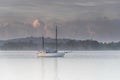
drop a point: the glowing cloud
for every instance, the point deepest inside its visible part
(91, 32)
(36, 23)
(47, 33)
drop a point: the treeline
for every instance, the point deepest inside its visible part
(92, 45)
(63, 44)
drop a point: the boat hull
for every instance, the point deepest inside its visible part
(42, 54)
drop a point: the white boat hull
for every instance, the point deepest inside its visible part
(42, 54)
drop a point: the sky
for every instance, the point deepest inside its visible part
(76, 19)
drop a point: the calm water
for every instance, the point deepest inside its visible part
(83, 65)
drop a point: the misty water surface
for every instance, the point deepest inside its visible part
(76, 65)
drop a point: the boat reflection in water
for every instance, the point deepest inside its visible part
(49, 71)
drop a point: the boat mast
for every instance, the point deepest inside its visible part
(56, 40)
(42, 43)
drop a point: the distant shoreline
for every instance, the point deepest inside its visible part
(32, 43)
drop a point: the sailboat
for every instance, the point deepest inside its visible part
(50, 53)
